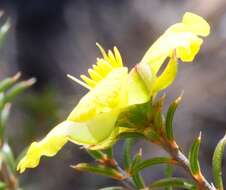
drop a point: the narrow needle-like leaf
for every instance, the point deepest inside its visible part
(217, 163)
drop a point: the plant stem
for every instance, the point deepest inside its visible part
(8, 178)
(172, 148)
(127, 182)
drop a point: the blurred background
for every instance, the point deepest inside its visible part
(50, 38)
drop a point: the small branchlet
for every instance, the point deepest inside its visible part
(9, 89)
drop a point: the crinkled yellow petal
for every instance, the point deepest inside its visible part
(84, 133)
(49, 146)
(167, 77)
(186, 45)
(196, 24)
(109, 94)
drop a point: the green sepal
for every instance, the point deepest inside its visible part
(131, 134)
(194, 156)
(217, 163)
(136, 116)
(159, 121)
(151, 134)
(174, 182)
(151, 162)
(99, 170)
(170, 116)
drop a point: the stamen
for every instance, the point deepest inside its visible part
(118, 57)
(94, 75)
(111, 58)
(78, 81)
(102, 50)
(88, 81)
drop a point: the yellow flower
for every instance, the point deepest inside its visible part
(92, 123)
(179, 41)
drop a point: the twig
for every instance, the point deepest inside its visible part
(127, 182)
(173, 149)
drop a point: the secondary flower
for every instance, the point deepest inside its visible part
(92, 123)
(179, 41)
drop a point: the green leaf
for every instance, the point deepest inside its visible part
(3, 117)
(3, 30)
(217, 163)
(99, 170)
(18, 88)
(151, 162)
(138, 181)
(172, 181)
(8, 82)
(169, 173)
(112, 188)
(137, 159)
(8, 156)
(127, 148)
(170, 116)
(109, 152)
(2, 186)
(194, 156)
(2, 100)
(137, 178)
(96, 154)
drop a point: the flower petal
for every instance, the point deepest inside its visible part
(87, 134)
(167, 77)
(109, 94)
(182, 37)
(49, 146)
(137, 90)
(196, 24)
